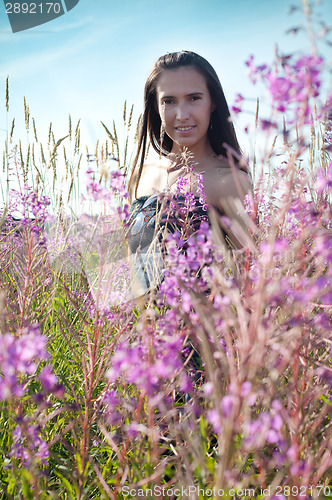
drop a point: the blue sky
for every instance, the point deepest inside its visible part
(90, 60)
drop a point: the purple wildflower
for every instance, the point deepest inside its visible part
(136, 366)
(290, 86)
(28, 446)
(20, 356)
(267, 428)
(227, 404)
(214, 420)
(50, 382)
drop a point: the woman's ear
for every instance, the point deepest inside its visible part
(213, 107)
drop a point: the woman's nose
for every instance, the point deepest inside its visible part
(182, 112)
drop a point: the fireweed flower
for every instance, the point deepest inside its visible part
(31, 208)
(112, 195)
(50, 382)
(111, 403)
(195, 253)
(290, 86)
(266, 428)
(188, 249)
(19, 356)
(214, 419)
(255, 72)
(267, 124)
(237, 107)
(230, 405)
(19, 359)
(324, 180)
(135, 365)
(28, 446)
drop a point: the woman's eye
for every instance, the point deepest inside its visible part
(168, 101)
(195, 98)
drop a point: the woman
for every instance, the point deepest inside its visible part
(184, 110)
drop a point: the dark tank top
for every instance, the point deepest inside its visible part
(144, 213)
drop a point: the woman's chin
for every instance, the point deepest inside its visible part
(184, 143)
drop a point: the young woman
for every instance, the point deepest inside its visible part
(184, 110)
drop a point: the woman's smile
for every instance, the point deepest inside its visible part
(185, 130)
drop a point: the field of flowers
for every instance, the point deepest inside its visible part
(218, 384)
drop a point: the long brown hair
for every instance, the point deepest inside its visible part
(221, 130)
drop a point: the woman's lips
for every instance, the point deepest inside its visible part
(185, 130)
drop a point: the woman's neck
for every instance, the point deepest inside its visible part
(198, 159)
(196, 156)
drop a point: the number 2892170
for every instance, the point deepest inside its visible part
(33, 8)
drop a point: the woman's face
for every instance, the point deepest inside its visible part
(185, 106)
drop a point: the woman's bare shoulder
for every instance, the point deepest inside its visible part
(236, 177)
(224, 183)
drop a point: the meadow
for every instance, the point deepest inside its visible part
(216, 384)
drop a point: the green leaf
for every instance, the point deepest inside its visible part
(11, 485)
(323, 398)
(66, 485)
(27, 491)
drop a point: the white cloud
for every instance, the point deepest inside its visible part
(37, 61)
